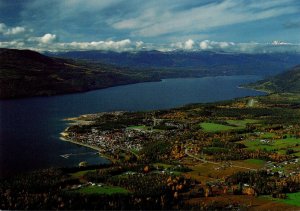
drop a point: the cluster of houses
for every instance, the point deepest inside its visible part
(130, 139)
(87, 184)
(282, 168)
(110, 141)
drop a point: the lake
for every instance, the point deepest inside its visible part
(29, 128)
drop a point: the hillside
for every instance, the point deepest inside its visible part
(218, 63)
(288, 81)
(25, 73)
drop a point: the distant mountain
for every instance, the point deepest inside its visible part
(219, 63)
(25, 73)
(288, 81)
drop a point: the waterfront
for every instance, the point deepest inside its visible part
(30, 128)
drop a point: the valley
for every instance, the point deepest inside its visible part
(26, 73)
(239, 154)
(205, 156)
(153, 105)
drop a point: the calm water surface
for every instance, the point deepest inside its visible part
(29, 128)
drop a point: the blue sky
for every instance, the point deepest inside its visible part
(227, 25)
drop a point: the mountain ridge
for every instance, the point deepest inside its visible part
(288, 81)
(25, 73)
(235, 63)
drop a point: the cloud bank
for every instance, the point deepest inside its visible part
(50, 42)
(4, 30)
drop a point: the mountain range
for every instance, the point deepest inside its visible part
(26, 73)
(218, 63)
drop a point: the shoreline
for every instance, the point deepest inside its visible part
(63, 138)
(258, 90)
(78, 143)
(81, 120)
(115, 85)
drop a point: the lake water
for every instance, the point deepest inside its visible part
(29, 128)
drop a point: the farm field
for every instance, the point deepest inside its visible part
(103, 189)
(230, 125)
(214, 127)
(279, 145)
(292, 199)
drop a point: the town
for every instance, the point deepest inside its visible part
(217, 149)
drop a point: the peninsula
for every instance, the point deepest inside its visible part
(218, 147)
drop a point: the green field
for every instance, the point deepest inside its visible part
(105, 189)
(292, 199)
(242, 123)
(81, 173)
(272, 145)
(297, 154)
(267, 135)
(176, 173)
(232, 125)
(162, 165)
(287, 141)
(138, 127)
(214, 127)
(135, 151)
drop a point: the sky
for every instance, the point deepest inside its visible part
(125, 25)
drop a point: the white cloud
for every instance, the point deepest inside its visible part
(139, 44)
(2, 28)
(45, 39)
(126, 24)
(15, 30)
(121, 45)
(250, 47)
(276, 42)
(189, 44)
(48, 38)
(13, 44)
(11, 31)
(207, 44)
(204, 45)
(49, 42)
